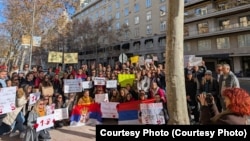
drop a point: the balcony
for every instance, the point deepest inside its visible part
(192, 2)
(232, 28)
(192, 17)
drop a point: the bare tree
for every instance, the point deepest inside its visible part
(177, 102)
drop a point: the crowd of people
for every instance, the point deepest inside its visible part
(202, 85)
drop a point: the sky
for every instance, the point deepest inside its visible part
(1, 13)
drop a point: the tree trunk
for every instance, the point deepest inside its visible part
(177, 104)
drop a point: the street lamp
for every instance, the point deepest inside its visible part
(32, 32)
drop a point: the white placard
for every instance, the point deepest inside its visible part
(109, 109)
(192, 60)
(100, 81)
(149, 60)
(45, 122)
(152, 113)
(72, 85)
(34, 97)
(7, 100)
(50, 109)
(141, 61)
(61, 114)
(87, 84)
(111, 84)
(101, 98)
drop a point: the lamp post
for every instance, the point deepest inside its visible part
(32, 32)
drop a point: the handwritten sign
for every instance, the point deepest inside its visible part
(87, 84)
(109, 109)
(61, 114)
(134, 59)
(7, 100)
(72, 85)
(33, 98)
(45, 122)
(101, 98)
(152, 113)
(192, 60)
(141, 61)
(50, 109)
(100, 81)
(125, 79)
(111, 84)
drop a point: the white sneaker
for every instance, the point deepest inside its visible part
(13, 134)
(22, 135)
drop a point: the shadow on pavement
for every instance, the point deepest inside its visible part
(76, 133)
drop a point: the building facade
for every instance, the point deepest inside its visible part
(217, 30)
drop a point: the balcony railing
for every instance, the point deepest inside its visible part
(237, 27)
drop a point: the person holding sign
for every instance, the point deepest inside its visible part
(59, 103)
(46, 87)
(39, 110)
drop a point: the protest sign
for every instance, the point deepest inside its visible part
(101, 98)
(72, 85)
(45, 122)
(61, 114)
(100, 81)
(111, 84)
(152, 113)
(34, 97)
(109, 109)
(7, 100)
(125, 79)
(87, 84)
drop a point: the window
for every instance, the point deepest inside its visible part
(136, 32)
(97, 6)
(162, 42)
(163, 10)
(245, 21)
(148, 3)
(204, 45)
(136, 7)
(224, 24)
(187, 47)
(202, 28)
(201, 11)
(162, 1)
(109, 8)
(149, 29)
(137, 46)
(117, 25)
(126, 11)
(117, 15)
(163, 25)
(126, 35)
(223, 43)
(137, 20)
(149, 16)
(149, 44)
(125, 1)
(102, 13)
(126, 22)
(244, 40)
(109, 17)
(96, 15)
(117, 4)
(186, 30)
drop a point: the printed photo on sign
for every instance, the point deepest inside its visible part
(61, 114)
(50, 109)
(45, 122)
(7, 100)
(111, 84)
(109, 109)
(100, 81)
(33, 98)
(72, 85)
(101, 98)
(152, 113)
(87, 84)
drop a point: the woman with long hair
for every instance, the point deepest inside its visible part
(237, 102)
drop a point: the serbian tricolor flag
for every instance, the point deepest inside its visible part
(78, 113)
(128, 112)
(94, 114)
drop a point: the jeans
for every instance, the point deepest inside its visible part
(4, 128)
(18, 125)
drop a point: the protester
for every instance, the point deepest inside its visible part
(237, 103)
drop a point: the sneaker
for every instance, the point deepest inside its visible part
(13, 134)
(22, 135)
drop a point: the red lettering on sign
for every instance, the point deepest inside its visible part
(13, 106)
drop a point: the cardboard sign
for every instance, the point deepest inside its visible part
(61, 114)
(100, 81)
(134, 59)
(47, 91)
(72, 85)
(109, 109)
(34, 97)
(45, 122)
(101, 98)
(111, 84)
(7, 100)
(87, 84)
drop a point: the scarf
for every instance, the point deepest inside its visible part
(86, 100)
(41, 112)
